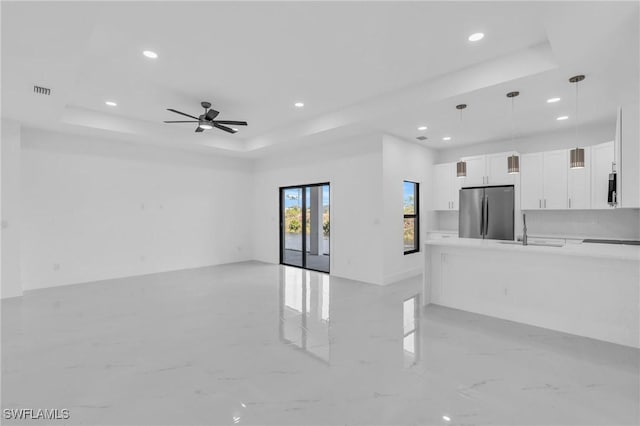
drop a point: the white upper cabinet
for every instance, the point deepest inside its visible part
(555, 170)
(497, 171)
(442, 186)
(489, 169)
(579, 184)
(546, 182)
(543, 180)
(601, 160)
(628, 155)
(531, 172)
(445, 187)
(476, 174)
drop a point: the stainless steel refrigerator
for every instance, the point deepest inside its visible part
(487, 212)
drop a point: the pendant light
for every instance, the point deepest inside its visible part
(513, 161)
(461, 166)
(576, 155)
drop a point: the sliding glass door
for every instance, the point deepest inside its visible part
(305, 226)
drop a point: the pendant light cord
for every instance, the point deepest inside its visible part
(577, 82)
(512, 120)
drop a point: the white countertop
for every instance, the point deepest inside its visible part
(603, 251)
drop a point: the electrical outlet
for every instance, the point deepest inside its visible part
(56, 266)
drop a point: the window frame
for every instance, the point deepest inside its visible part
(415, 216)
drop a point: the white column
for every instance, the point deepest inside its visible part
(11, 284)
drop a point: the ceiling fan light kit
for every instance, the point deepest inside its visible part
(207, 120)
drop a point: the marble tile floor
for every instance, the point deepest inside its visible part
(253, 343)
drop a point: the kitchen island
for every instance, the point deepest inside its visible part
(591, 290)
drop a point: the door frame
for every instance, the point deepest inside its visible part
(304, 224)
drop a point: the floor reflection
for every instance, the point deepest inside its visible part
(305, 299)
(411, 332)
(253, 343)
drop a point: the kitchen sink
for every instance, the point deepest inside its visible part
(545, 244)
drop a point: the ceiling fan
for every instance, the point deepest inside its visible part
(206, 120)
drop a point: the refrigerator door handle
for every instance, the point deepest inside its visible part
(486, 216)
(482, 217)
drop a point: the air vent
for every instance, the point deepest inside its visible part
(422, 138)
(41, 90)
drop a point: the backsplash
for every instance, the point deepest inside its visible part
(614, 223)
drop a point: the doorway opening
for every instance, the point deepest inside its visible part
(305, 226)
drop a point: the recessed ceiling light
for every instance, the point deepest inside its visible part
(552, 100)
(446, 138)
(476, 37)
(422, 128)
(446, 418)
(562, 117)
(150, 54)
(110, 103)
(298, 104)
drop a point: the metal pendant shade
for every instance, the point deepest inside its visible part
(461, 169)
(513, 164)
(576, 158)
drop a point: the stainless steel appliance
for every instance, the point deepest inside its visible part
(487, 212)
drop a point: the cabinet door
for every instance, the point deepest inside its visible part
(628, 154)
(497, 170)
(601, 159)
(456, 184)
(556, 165)
(579, 184)
(475, 171)
(442, 181)
(531, 181)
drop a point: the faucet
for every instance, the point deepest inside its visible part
(524, 230)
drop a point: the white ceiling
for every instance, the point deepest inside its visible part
(357, 66)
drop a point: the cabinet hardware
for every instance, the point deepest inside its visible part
(545, 203)
(569, 202)
(540, 204)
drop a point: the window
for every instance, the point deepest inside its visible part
(411, 231)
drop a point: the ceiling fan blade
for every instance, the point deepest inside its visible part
(221, 127)
(236, 123)
(182, 121)
(182, 113)
(211, 114)
(199, 129)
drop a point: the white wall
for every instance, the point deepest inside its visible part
(402, 161)
(97, 209)
(354, 170)
(11, 280)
